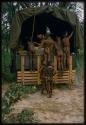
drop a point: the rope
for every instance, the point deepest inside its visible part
(31, 42)
(33, 28)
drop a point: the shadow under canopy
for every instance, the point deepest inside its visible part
(41, 22)
(58, 20)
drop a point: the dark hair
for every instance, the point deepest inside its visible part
(49, 63)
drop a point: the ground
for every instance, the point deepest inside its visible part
(65, 106)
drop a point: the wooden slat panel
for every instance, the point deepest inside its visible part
(29, 76)
(32, 80)
(37, 77)
(62, 77)
(56, 78)
(26, 83)
(36, 82)
(67, 77)
(18, 80)
(31, 72)
(57, 82)
(62, 74)
(67, 71)
(36, 72)
(29, 83)
(62, 80)
(27, 79)
(66, 81)
(33, 75)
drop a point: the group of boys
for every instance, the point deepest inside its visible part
(61, 48)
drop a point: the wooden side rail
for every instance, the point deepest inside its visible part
(22, 55)
(28, 76)
(33, 77)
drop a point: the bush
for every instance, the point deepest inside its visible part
(17, 91)
(8, 77)
(12, 95)
(26, 116)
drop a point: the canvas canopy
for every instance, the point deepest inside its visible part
(21, 16)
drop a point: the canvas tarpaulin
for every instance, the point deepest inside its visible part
(21, 16)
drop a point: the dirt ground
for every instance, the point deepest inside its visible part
(65, 106)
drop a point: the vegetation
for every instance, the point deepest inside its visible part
(12, 95)
(16, 92)
(25, 116)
